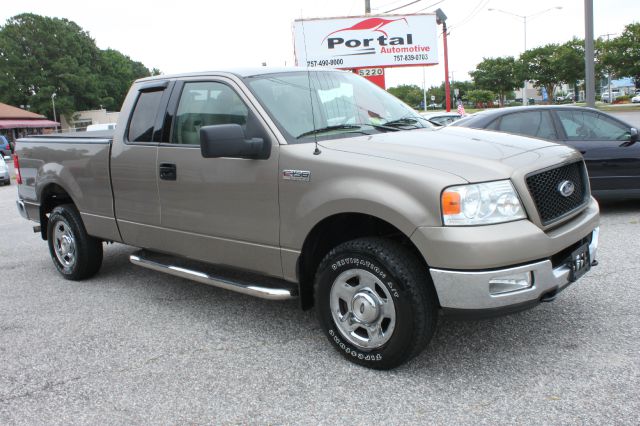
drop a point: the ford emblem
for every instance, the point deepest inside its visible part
(566, 188)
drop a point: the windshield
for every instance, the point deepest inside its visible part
(326, 105)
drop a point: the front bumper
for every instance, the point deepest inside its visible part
(468, 293)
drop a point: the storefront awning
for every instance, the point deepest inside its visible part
(27, 124)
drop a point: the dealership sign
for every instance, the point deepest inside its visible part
(366, 41)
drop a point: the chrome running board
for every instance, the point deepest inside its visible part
(184, 268)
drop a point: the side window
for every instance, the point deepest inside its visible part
(144, 116)
(206, 104)
(529, 123)
(587, 125)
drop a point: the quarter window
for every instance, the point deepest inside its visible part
(206, 104)
(143, 118)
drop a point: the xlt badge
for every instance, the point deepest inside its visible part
(300, 175)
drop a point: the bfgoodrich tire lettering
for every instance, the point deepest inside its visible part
(375, 302)
(75, 254)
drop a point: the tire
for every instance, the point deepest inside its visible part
(76, 255)
(375, 302)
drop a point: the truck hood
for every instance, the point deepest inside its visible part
(472, 154)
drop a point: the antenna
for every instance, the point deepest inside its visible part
(313, 116)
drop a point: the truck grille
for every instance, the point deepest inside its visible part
(544, 189)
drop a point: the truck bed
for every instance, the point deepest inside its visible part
(77, 162)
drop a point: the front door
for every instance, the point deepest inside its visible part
(218, 210)
(612, 160)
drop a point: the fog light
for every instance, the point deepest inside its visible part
(510, 283)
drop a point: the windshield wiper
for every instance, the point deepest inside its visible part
(328, 129)
(404, 121)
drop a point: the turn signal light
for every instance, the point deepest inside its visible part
(450, 203)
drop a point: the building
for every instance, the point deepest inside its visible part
(81, 119)
(16, 122)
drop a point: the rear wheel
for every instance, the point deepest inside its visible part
(375, 302)
(75, 254)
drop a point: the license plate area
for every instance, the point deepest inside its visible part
(579, 262)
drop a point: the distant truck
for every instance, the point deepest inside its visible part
(317, 185)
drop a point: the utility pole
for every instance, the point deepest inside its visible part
(589, 83)
(367, 7)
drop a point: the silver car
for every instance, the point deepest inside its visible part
(4, 172)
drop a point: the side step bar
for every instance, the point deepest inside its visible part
(173, 266)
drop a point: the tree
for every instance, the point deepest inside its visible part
(480, 97)
(625, 53)
(541, 65)
(117, 72)
(408, 93)
(40, 56)
(570, 62)
(496, 74)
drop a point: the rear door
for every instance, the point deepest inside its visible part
(612, 161)
(219, 210)
(133, 164)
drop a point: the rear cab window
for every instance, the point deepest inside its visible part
(145, 124)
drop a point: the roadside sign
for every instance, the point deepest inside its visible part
(366, 41)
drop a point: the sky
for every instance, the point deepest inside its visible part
(190, 35)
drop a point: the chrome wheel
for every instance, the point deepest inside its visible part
(64, 244)
(362, 309)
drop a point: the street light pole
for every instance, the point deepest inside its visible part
(589, 81)
(53, 103)
(525, 100)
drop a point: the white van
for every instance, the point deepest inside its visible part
(105, 126)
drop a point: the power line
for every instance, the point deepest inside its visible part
(402, 7)
(481, 5)
(429, 7)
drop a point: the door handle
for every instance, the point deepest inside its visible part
(168, 171)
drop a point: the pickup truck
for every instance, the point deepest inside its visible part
(316, 184)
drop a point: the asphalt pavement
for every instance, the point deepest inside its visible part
(133, 346)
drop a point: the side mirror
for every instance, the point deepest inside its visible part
(228, 140)
(633, 135)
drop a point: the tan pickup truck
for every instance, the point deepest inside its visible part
(318, 185)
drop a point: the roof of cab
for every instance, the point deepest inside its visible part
(240, 72)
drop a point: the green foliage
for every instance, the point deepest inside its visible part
(624, 54)
(408, 93)
(117, 72)
(496, 74)
(40, 56)
(541, 65)
(480, 97)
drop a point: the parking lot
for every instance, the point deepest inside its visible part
(136, 346)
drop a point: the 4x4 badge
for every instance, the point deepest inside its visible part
(300, 175)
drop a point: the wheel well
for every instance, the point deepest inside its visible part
(52, 196)
(336, 230)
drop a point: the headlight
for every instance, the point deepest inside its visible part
(481, 204)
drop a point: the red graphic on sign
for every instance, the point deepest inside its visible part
(371, 24)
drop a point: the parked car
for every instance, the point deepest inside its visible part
(5, 146)
(615, 94)
(4, 173)
(441, 118)
(609, 146)
(636, 99)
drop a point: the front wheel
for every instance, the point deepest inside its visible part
(375, 302)
(76, 254)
